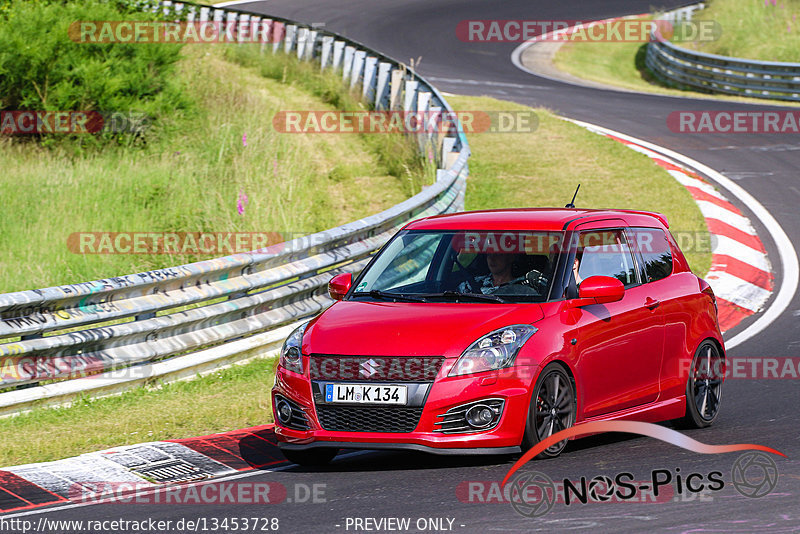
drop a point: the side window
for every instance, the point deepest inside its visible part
(656, 252)
(606, 253)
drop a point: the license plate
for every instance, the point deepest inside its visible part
(366, 393)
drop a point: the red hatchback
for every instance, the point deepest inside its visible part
(488, 331)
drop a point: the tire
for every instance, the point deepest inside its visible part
(552, 385)
(704, 386)
(310, 457)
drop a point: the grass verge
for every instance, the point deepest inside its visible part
(753, 29)
(506, 170)
(622, 64)
(192, 177)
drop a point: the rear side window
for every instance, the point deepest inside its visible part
(656, 252)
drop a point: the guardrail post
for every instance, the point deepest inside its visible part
(278, 31)
(358, 65)
(368, 89)
(204, 13)
(327, 49)
(231, 27)
(302, 41)
(433, 124)
(257, 34)
(410, 96)
(191, 13)
(266, 28)
(338, 53)
(311, 45)
(291, 37)
(423, 102)
(382, 86)
(347, 66)
(398, 76)
(243, 28)
(217, 16)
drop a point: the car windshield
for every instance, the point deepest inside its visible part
(462, 266)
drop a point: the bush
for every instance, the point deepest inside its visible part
(41, 69)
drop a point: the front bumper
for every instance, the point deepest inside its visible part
(444, 393)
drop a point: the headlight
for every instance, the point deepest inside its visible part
(291, 356)
(495, 350)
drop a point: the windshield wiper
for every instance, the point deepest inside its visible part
(378, 294)
(457, 295)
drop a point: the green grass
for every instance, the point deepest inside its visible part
(506, 170)
(748, 29)
(753, 29)
(190, 178)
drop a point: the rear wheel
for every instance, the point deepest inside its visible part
(310, 457)
(704, 386)
(553, 406)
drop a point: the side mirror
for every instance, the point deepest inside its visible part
(340, 285)
(598, 290)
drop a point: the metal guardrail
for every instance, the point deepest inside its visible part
(721, 74)
(130, 321)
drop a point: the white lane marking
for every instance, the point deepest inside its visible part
(786, 250)
(688, 181)
(715, 211)
(740, 292)
(485, 82)
(646, 152)
(721, 244)
(234, 3)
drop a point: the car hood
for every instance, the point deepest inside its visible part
(409, 328)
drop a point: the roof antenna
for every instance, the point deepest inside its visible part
(572, 203)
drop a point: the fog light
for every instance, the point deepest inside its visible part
(284, 411)
(479, 416)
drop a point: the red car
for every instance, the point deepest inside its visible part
(488, 331)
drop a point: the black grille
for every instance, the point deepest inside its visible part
(298, 420)
(368, 419)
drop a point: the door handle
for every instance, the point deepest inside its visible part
(651, 303)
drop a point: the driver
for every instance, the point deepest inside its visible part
(499, 274)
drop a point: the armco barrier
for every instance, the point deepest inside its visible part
(721, 74)
(230, 307)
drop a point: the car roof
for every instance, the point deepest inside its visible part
(544, 219)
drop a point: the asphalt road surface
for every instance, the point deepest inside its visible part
(384, 485)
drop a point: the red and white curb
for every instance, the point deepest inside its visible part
(133, 468)
(741, 273)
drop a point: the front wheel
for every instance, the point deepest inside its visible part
(310, 457)
(553, 406)
(704, 386)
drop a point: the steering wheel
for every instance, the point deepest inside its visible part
(535, 280)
